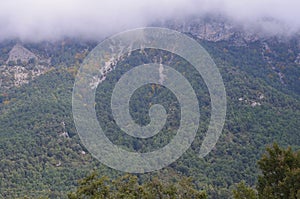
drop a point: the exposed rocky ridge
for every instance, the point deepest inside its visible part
(221, 28)
(18, 75)
(19, 53)
(21, 67)
(212, 29)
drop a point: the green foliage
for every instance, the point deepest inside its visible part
(280, 177)
(243, 191)
(37, 161)
(280, 173)
(127, 187)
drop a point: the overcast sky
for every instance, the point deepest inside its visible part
(52, 19)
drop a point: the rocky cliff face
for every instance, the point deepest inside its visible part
(213, 29)
(21, 67)
(218, 28)
(21, 54)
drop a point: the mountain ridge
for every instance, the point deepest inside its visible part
(37, 159)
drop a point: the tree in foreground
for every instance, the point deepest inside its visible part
(280, 177)
(127, 187)
(280, 174)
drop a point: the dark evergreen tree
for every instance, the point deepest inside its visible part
(280, 174)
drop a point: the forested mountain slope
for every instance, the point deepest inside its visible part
(41, 154)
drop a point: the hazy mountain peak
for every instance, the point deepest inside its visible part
(20, 53)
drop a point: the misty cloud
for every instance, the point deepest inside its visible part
(53, 19)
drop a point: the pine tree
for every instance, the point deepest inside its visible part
(280, 174)
(280, 177)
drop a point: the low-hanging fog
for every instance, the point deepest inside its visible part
(52, 19)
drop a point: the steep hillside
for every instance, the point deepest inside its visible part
(41, 154)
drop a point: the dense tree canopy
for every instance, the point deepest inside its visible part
(39, 159)
(127, 186)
